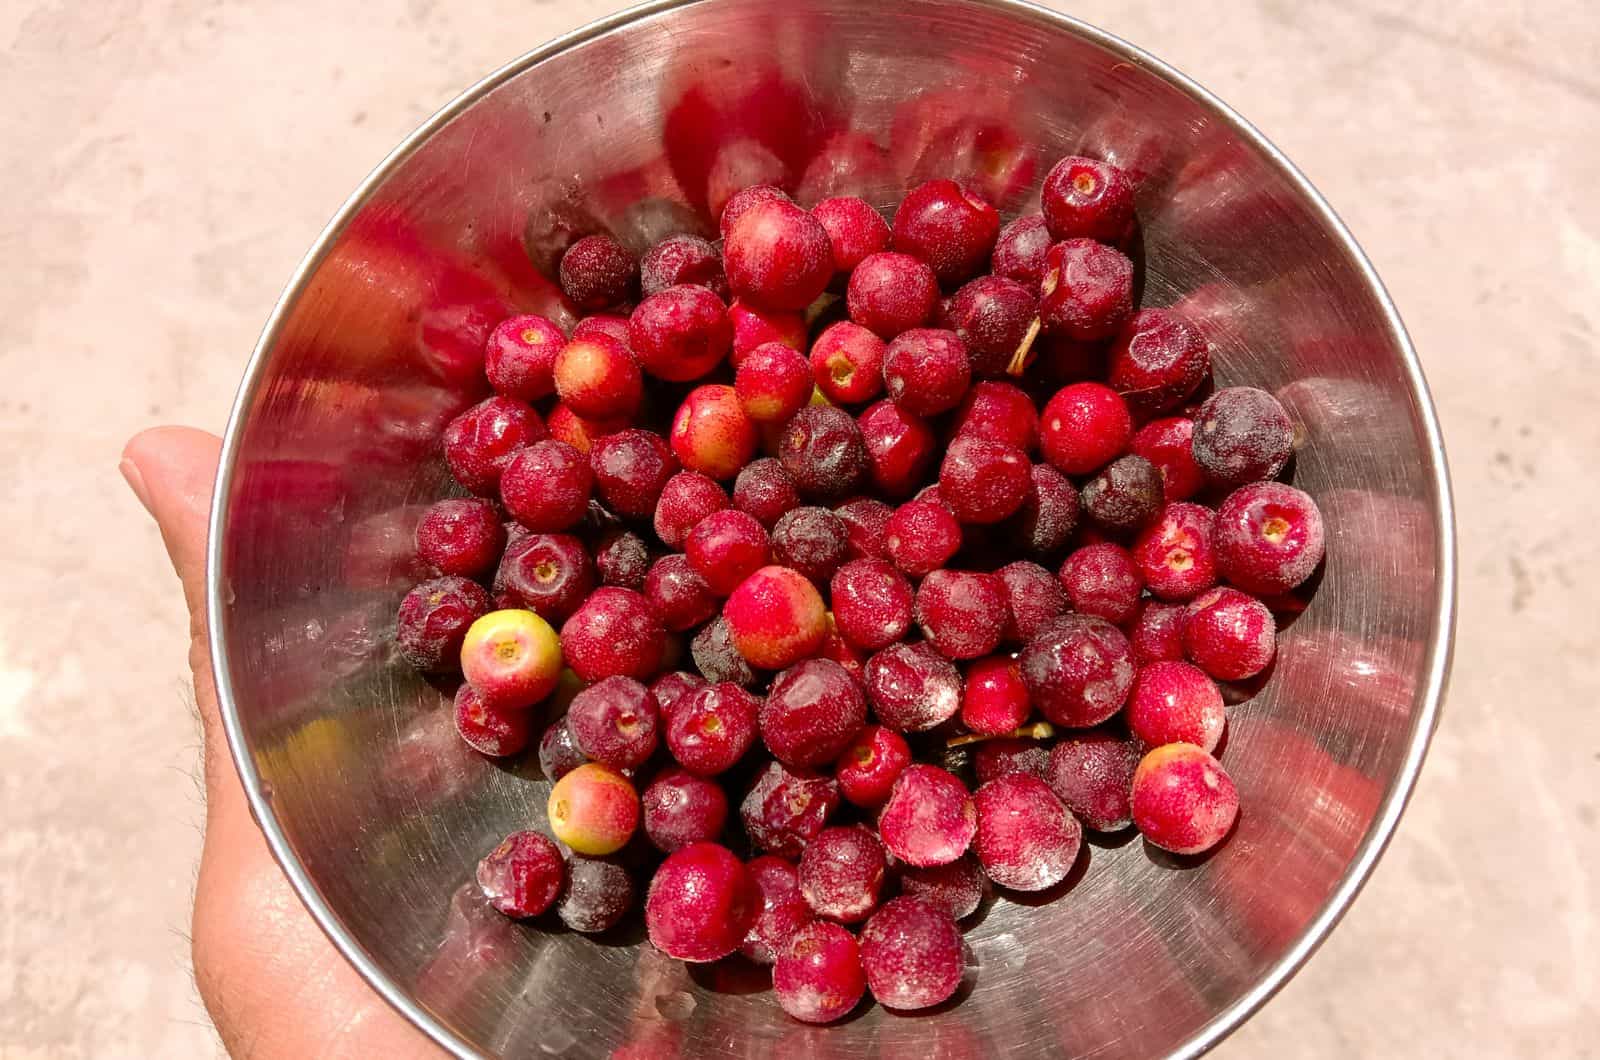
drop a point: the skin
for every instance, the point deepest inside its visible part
(272, 983)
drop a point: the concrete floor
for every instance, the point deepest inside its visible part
(166, 162)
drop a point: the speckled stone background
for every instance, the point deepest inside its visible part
(164, 163)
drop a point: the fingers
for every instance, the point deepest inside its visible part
(171, 471)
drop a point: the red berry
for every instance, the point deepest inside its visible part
(847, 363)
(598, 272)
(982, 481)
(1229, 635)
(871, 764)
(1158, 360)
(615, 722)
(558, 751)
(994, 699)
(1269, 537)
(548, 574)
(950, 227)
(1027, 840)
(926, 371)
(783, 811)
(999, 758)
(546, 486)
(912, 687)
(523, 875)
(1033, 597)
(866, 523)
(671, 687)
(581, 433)
(615, 632)
(497, 732)
(929, 818)
(1175, 554)
(1088, 198)
(962, 613)
(727, 547)
(956, 888)
(598, 377)
(1173, 702)
(681, 808)
(680, 597)
(778, 256)
(823, 453)
(680, 333)
(755, 326)
(711, 434)
(1168, 445)
(922, 536)
(461, 536)
(811, 540)
(687, 498)
(890, 293)
(783, 909)
(710, 728)
(773, 383)
(622, 558)
(1157, 632)
(841, 873)
(631, 468)
(1078, 670)
(1020, 250)
(854, 229)
(872, 603)
(1102, 580)
(481, 441)
(700, 903)
(433, 621)
(998, 412)
(812, 713)
(765, 491)
(818, 978)
(1183, 800)
(520, 357)
(912, 954)
(900, 448)
(716, 658)
(682, 259)
(776, 618)
(1241, 435)
(743, 200)
(1125, 496)
(1086, 293)
(1092, 772)
(1049, 513)
(1083, 427)
(598, 895)
(992, 316)
(610, 325)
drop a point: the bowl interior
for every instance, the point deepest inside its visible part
(641, 126)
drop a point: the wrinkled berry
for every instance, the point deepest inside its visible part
(913, 688)
(716, 658)
(992, 316)
(671, 687)
(622, 558)
(783, 910)
(1158, 360)
(523, 875)
(680, 597)
(1033, 597)
(1049, 513)
(598, 895)
(783, 811)
(497, 732)
(811, 540)
(866, 521)
(682, 259)
(558, 752)
(998, 758)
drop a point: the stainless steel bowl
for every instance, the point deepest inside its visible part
(378, 813)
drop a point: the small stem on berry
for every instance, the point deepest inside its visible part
(1039, 730)
(1019, 360)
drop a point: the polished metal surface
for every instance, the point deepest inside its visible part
(376, 809)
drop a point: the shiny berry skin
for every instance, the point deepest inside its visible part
(926, 371)
(700, 903)
(889, 293)
(597, 377)
(783, 909)
(1174, 702)
(765, 491)
(717, 659)
(957, 888)
(1092, 773)
(523, 875)
(711, 434)
(1049, 513)
(680, 333)
(992, 316)
(755, 326)
(497, 732)
(982, 481)
(1168, 445)
(847, 363)
(913, 688)
(1229, 634)
(777, 255)
(950, 227)
(1087, 290)
(631, 468)
(812, 541)
(900, 448)
(687, 498)
(998, 758)
(680, 597)
(481, 441)
(727, 547)
(710, 728)
(1183, 800)
(521, 355)
(912, 954)
(671, 687)
(998, 412)
(680, 808)
(855, 230)
(867, 770)
(866, 521)
(773, 382)
(549, 574)
(818, 977)
(546, 486)
(512, 658)
(1084, 197)
(1156, 633)
(1033, 597)
(743, 200)
(783, 810)
(615, 722)
(598, 272)
(811, 714)
(1027, 840)
(872, 603)
(1084, 427)
(1020, 250)
(1078, 670)
(1158, 360)
(836, 648)
(962, 613)
(1241, 435)
(1104, 580)
(682, 259)
(558, 752)
(1175, 553)
(579, 432)
(460, 536)
(1124, 496)
(615, 631)
(929, 818)
(593, 809)
(776, 618)
(610, 325)
(599, 893)
(822, 450)
(622, 558)
(922, 537)
(841, 873)
(993, 698)
(1268, 537)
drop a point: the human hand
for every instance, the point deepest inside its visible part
(270, 979)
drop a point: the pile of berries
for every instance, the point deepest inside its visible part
(890, 572)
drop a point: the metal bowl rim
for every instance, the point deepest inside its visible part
(1440, 636)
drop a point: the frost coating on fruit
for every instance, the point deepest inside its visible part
(818, 977)
(1027, 840)
(812, 712)
(523, 875)
(842, 873)
(784, 810)
(913, 688)
(700, 903)
(912, 953)
(1078, 670)
(1183, 800)
(1092, 773)
(957, 888)
(930, 817)
(783, 909)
